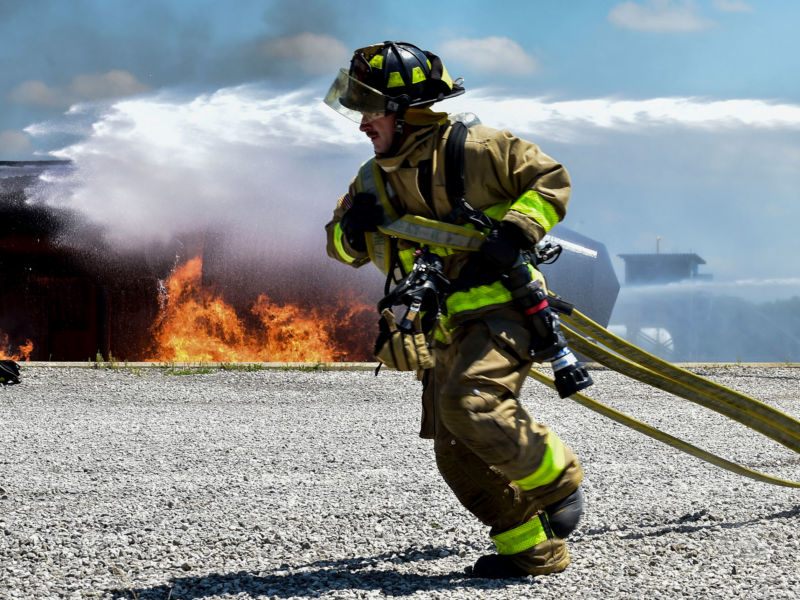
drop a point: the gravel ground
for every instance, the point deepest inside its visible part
(134, 483)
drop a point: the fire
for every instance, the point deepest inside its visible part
(23, 352)
(197, 324)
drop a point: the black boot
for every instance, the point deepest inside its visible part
(496, 566)
(565, 514)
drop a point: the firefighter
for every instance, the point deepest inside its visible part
(514, 474)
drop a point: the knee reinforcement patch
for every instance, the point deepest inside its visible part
(565, 514)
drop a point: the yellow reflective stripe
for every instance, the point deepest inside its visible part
(478, 297)
(395, 80)
(446, 78)
(337, 243)
(376, 61)
(485, 295)
(520, 538)
(531, 204)
(407, 256)
(553, 463)
(498, 211)
(417, 75)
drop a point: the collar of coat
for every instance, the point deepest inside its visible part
(418, 146)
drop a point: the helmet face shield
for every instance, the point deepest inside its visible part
(355, 100)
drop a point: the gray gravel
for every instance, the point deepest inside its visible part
(133, 483)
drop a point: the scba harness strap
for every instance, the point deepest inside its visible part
(414, 228)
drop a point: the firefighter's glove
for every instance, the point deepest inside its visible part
(364, 215)
(498, 252)
(402, 350)
(497, 255)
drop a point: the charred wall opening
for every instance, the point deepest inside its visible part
(64, 298)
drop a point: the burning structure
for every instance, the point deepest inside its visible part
(68, 295)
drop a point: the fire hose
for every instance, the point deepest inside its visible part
(597, 343)
(583, 335)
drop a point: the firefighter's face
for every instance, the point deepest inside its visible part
(379, 130)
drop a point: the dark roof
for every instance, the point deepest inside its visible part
(677, 257)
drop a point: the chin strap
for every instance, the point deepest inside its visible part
(400, 131)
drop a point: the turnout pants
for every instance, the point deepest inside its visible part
(504, 467)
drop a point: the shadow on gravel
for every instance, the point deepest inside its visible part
(684, 524)
(368, 574)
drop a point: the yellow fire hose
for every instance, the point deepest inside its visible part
(625, 358)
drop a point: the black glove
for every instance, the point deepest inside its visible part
(497, 254)
(364, 215)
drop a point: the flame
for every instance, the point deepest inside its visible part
(23, 352)
(196, 324)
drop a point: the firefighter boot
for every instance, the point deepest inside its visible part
(517, 558)
(496, 566)
(549, 555)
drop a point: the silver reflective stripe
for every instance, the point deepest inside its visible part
(437, 233)
(371, 181)
(378, 250)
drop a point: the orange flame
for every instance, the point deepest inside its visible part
(23, 352)
(196, 324)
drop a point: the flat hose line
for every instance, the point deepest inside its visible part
(712, 395)
(656, 434)
(678, 388)
(663, 375)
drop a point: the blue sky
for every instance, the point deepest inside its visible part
(677, 119)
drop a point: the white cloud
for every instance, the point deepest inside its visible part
(733, 6)
(489, 55)
(156, 166)
(83, 87)
(315, 54)
(660, 16)
(14, 142)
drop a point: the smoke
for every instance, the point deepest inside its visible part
(243, 161)
(715, 177)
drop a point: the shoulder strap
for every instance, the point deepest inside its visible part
(455, 184)
(454, 155)
(454, 162)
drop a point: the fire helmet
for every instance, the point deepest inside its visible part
(389, 78)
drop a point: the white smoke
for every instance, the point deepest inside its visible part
(269, 166)
(156, 167)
